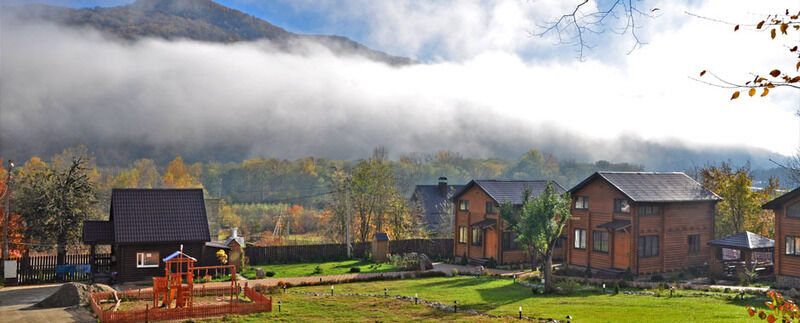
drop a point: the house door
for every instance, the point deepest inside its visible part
(490, 247)
(622, 249)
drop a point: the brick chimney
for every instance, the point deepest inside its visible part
(443, 186)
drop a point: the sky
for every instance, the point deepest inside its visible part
(483, 71)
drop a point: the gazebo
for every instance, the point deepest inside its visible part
(741, 250)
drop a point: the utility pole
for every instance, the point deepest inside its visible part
(347, 203)
(7, 210)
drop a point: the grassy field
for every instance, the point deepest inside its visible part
(327, 268)
(301, 308)
(502, 297)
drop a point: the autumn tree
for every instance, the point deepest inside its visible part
(178, 175)
(740, 208)
(227, 217)
(55, 200)
(15, 227)
(778, 26)
(780, 308)
(538, 224)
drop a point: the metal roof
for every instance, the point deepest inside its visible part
(433, 202)
(510, 190)
(744, 240)
(159, 215)
(654, 186)
(101, 232)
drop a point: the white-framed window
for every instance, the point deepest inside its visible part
(462, 234)
(147, 259)
(622, 206)
(463, 205)
(793, 246)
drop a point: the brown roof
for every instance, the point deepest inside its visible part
(159, 215)
(654, 186)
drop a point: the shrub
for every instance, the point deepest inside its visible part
(616, 288)
(355, 269)
(269, 273)
(747, 277)
(566, 287)
(409, 261)
(454, 272)
(432, 273)
(628, 274)
(317, 270)
(464, 259)
(492, 263)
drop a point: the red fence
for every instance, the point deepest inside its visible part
(260, 303)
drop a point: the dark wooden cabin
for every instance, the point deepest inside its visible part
(787, 238)
(479, 232)
(647, 221)
(146, 225)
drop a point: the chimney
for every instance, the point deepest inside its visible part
(443, 186)
(235, 233)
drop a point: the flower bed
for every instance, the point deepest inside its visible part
(259, 303)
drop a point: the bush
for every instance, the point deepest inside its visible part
(628, 274)
(409, 261)
(747, 277)
(491, 263)
(317, 270)
(454, 272)
(355, 269)
(269, 273)
(616, 288)
(566, 287)
(432, 273)
(464, 259)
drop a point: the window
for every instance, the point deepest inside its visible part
(463, 205)
(649, 210)
(580, 239)
(694, 243)
(581, 202)
(462, 234)
(793, 246)
(476, 236)
(490, 208)
(622, 206)
(648, 246)
(600, 241)
(510, 241)
(793, 211)
(146, 259)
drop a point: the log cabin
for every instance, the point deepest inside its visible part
(479, 233)
(647, 222)
(787, 238)
(433, 202)
(145, 225)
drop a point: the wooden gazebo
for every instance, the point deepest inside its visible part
(733, 253)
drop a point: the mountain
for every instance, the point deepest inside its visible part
(202, 20)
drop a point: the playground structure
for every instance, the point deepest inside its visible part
(176, 292)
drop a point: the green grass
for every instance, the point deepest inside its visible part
(502, 297)
(328, 268)
(301, 308)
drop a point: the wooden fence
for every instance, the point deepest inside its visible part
(43, 269)
(433, 248)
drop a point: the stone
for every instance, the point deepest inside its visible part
(260, 273)
(425, 263)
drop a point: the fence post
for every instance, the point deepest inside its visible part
(146, 313)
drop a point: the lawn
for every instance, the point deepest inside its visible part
(301, 308)
(327, 268)
(502, 297)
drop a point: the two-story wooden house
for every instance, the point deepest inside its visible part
(648, 222)
(479, 233)
(787, 238)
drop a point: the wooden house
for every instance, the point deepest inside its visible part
(647, 221)
(434, 204)
(146, 225)
(479, 233)
(787, 238)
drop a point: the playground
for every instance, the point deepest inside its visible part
(175, 297)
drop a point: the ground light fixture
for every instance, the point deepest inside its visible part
(284, 288)
(520, 312)
(569, 318)
(604, 288)
(455, 306)
(385, 292)
(331, 290)
(416, 298)
(515, 279)
(279, 306)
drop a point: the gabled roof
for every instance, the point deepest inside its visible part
(159, 215)
(101, 232)
(176, 254)
(654, 186)
(432, 200)
(744, 240)
(217, 244)
(779, 201)
(509, 190)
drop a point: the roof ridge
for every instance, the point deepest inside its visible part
(630, 172)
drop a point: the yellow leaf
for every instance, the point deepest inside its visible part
(736, 28)
(766, 91)
(795, 79)
(772, 33)
(704, 71)
(752, 92)
(798, 66)
(770, 85)
(760, 24)
(775, 73)
(783, 28)
(735, 95)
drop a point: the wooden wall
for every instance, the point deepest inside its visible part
(786, 265)
(126, 259)
(477, 212)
